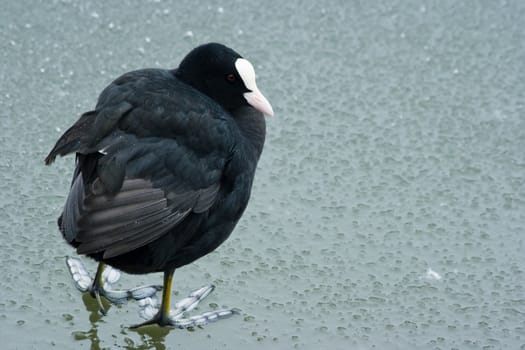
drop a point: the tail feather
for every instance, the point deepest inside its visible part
(92, 127)
(74, 138)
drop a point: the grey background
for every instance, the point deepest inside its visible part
(397, 147)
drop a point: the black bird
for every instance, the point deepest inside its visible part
(164, 165)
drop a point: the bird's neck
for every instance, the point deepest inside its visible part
(253, 127)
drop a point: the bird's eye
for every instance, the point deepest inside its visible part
(230, 77)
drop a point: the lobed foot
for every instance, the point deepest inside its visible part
(149, 310)
(85, 283)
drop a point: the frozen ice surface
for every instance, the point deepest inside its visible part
(397, 145)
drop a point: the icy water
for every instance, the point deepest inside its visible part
(388, 210)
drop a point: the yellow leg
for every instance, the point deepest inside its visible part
(98, 283)
(166, 293)
(162, 318)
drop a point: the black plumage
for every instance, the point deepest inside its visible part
(164, 164)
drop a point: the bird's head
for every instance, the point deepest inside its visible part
(223, 75)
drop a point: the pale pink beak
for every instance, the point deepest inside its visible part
(257, 100)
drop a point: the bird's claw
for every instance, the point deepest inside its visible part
(85, 283)
(149, 310)
(81, 278)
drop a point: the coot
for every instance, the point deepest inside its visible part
(164, 165)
